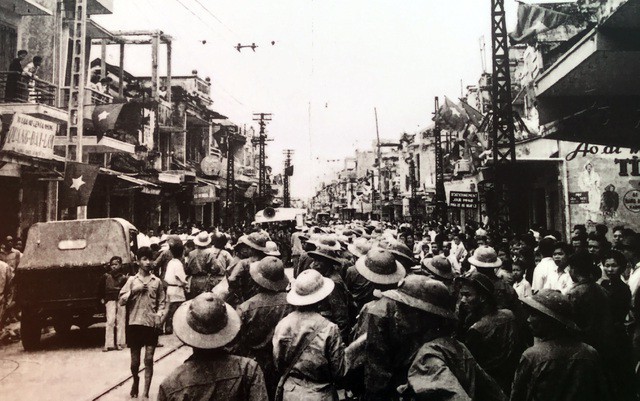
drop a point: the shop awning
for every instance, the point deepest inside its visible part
(25, 7)
(134, 180)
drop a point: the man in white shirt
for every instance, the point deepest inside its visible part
(559, 279)
(631, 250)
(546, 265)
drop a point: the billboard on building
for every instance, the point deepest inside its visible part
(30, 136)
(603, 184)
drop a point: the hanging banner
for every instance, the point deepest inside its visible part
(31, 136)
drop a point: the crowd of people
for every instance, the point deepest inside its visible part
(371, 311)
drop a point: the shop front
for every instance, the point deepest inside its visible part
(204, 198)
(29, 172)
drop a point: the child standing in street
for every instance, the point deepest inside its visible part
(110, 287)
(520, 283)
(144, 296)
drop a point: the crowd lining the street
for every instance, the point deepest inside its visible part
(372, 311)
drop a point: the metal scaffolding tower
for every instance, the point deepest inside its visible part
(261, 140)
(502, 132)
(78, 34)
(440, 197)
(286, 196)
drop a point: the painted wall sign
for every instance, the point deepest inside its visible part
(608, 181)
(31, 136)
(631, 201)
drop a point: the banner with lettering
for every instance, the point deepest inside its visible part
(603, 184)
(30, 136)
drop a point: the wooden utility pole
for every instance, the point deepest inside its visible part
(262, 119)
(286, 195)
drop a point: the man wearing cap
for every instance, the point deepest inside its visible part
(261, 313)
(339, 306)
(204, 271)
(491, 334)
(240, 283)
(438, 268)
(443, 368)
(360, 288)
(208, 324)
(396, 329)
(485, 261)
(400, 251)
(307, 348)
(558, 366)
(382, 272)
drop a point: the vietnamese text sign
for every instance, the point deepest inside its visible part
(31, 136)
(609, 179)
(463, 200)
(578, 198)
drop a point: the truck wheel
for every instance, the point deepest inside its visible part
(30, 326)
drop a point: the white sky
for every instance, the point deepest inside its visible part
(333, 62)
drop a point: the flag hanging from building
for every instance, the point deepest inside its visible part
(452, 115)
(288, 171)
(78, 182)
(125, 118)
(105, 116)
(473, 115)
(534, 19)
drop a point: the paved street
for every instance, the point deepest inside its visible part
(49, 373)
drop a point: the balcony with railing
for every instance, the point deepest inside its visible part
(18, 88)
(29, 95)
(91, 97)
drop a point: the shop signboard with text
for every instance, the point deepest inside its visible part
(463, 200)
(30, 136)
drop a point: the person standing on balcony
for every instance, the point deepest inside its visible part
(31, 70)
(103, 85)
(15, 69)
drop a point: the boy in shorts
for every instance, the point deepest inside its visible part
(144, 296)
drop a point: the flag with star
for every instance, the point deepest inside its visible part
(452, 115)
(78, 182)
(474, 116)
(105, 116)
(534, 19)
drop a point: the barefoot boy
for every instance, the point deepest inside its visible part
(144, 296)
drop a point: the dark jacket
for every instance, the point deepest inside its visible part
(395, 332)
(218, 376)
(496, 344)
(445, 370)
(110, 286)
(559, 370)
(260, 315)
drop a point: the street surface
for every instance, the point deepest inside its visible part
(75, 368)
